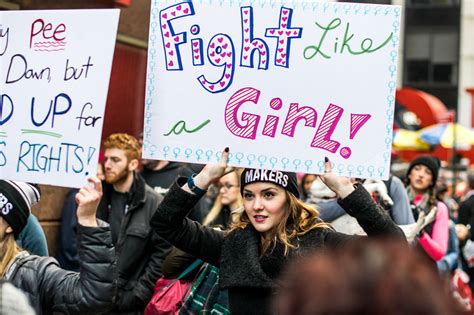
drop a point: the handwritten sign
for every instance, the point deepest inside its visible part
(54, 76)
(282, 86)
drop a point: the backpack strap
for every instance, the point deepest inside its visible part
(190, 268)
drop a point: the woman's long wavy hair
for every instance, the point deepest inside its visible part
(299, 219)
(8, 251)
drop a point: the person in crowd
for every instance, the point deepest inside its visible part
(464, 226)
(442, 194)
(420, 184)
(370, 277)
(128, 205)
(399, 210)
(66, 252)
(228, 204)
(32, 237)
(274, 227)
(305, 187)
(48, 287)
(161, 174)
(390, 195)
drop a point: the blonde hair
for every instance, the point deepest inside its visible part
(299, 219)
(8, 251)
(217, 207)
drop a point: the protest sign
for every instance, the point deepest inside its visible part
(54, 76)
(282, 84)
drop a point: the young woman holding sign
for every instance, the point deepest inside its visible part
(274, 228)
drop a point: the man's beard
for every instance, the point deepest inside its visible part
(117, 179)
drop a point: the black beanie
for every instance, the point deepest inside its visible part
(16, 200)
(286, 180)
(431, 162)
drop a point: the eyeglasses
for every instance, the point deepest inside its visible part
(226, 186)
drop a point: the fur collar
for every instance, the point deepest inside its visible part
(241, 265)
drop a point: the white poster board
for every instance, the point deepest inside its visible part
(281, 85)
(54, 77)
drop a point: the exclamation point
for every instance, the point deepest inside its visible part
(357, 121)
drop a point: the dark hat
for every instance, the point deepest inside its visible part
(16, 200)
(431, 162)
(286, 180)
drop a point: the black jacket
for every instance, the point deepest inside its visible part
(252, 279)
(466, 213)
(140, 253)
(51, 288)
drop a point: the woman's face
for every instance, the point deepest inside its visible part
(420, 178)
(4, 229)
(265, 205)
(307, 182)
(229, 191)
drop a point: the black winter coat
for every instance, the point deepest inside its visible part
(50, 288)
(140, 253)
(251, 279)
